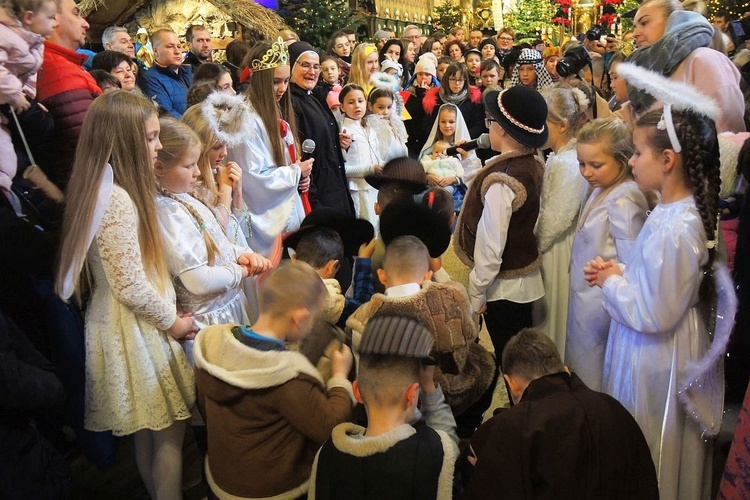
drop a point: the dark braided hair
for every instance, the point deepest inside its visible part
(700, 160)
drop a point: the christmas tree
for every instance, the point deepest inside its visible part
(736, 8)
(530, 17)
(446, 16)
(316, 20)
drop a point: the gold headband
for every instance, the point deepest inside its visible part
(275, 57)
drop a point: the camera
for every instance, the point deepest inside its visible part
(573, 61)
(596, 32)
(739, 31)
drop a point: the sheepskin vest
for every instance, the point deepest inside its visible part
(521, 171)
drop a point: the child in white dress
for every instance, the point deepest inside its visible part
(207, 269)
(384, 115)
(608, 225)
(658, 362)
(564, 191)
(363, 156)
(138, 380)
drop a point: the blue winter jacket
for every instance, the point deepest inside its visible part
(167, 88)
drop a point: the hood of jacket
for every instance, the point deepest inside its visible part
(236, 367)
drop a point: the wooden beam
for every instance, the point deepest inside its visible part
(129, 12)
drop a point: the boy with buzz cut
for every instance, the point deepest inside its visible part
(495, 230)
(465, 369)
(266, 407)
(391, 459)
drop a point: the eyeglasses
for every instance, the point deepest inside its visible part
(488, 122)
(456, 80)
(505, 39)
(307, 66)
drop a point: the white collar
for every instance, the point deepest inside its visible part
(402, 291)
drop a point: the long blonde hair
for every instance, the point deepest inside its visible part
(194, 119)
(358, 74)
(113, 132)
(176, 138)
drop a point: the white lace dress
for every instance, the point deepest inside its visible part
(564, 191)
(137, 376)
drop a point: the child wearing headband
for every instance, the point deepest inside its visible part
(660, 362)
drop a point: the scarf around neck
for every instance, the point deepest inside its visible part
(455, 99)
(685, 32)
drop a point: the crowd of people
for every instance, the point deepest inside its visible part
(295, 250)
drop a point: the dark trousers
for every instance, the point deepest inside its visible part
(505, 319)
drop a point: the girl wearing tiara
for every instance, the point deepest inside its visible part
(661, 363)
(273, 177)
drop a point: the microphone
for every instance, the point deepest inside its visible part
(308, 148)
(481, 142)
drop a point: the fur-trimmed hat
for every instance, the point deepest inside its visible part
(396, 336)
(522, 112)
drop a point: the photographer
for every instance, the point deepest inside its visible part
(578, 64)
(675, 43)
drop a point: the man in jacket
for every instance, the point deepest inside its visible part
(199, 40)
(168, 80)
(65, 89)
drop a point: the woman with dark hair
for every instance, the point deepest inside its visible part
(488, 48)
(433, 45)
(216, 73)
(455, 89)
(393, 50)
(271, 175)
(455, 50)
(116, 64)
(338, 46)
(236, 52)
(410, 57)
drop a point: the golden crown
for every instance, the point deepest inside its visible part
(275, 57)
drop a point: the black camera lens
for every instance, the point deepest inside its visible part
(596, 32)
(573, 61)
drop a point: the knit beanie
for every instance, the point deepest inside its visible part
(427, 64)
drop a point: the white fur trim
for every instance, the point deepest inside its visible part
(344, 384)
(450, 455)
(511, 182)
(229, 118)
(385, 81)
(580, 98)
(223, 495)
(702, 391)
(680, 96)
(350, 439)
(220, 354)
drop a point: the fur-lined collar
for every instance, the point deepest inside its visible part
(432, 96)
(350, 439)
(229, 360)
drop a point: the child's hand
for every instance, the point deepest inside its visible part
(596, 271)
(255, 263)
(306, 167)
(184, 327)
(341, 361)
(222, 176)
(378, 169)
(234, 172)
(367, 249)
(464, 154)
(447, 181)
(427, 378)
(20, 104)
(345, 140)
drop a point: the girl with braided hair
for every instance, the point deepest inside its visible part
(663, 356)
(206, 268)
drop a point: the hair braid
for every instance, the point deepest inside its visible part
(212, 249)
(702, 167)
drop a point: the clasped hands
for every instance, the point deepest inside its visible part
(596, 271)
